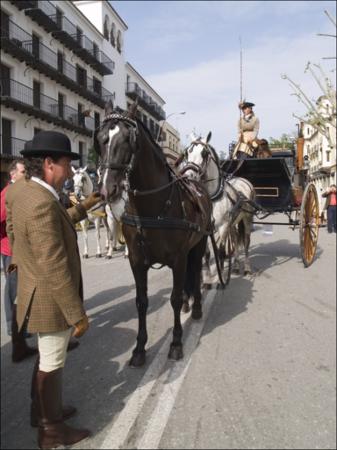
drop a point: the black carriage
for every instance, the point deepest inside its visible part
(281, 186)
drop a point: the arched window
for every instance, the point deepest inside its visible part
(119, 41)
(106, 28)
(113, 35)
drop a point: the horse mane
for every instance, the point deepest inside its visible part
(158, 150)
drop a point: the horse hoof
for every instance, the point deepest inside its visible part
(185, 308)
(108, 257)
(176, 352)
(196, 314)
(98, 255)
(220, 287)
(248, 272)
(114, 249)
(207, 286)
(85, 256)
(138, 359)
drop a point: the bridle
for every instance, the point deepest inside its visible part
(127, 167)
(207, 156)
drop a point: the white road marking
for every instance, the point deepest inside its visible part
(173, 381)
(117, 435)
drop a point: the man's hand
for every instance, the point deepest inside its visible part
(81, 327)
(92, 200)
(12, 268)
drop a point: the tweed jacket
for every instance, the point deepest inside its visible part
(44, 244)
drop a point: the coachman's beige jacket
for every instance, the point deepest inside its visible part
(45, 250)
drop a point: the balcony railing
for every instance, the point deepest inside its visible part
(25, 99)
(24, 4)
(11, 146)
(19, 43)
(134, 91)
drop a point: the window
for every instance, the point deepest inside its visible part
(112, 35)
(81, 152)
(60, 59)
(36, 46)
(97, 119)
(81, 121)
(59, 15)
(6, 136)
(79, 35)
(119, 41)
(95, 50)
(4, 24)
(97, 86)
(81, 76)
(106, 28)
(36, 94)
(327, 156)
(5, 73)
(145, 120)
(61, 105)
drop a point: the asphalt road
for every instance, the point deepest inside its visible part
(259, 369)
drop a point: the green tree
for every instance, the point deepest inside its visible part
(285, 141)
(92, 157)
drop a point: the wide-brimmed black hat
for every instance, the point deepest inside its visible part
(244, 105)
(49, 143)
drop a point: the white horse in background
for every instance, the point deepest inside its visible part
(101, 212)
(232, 216)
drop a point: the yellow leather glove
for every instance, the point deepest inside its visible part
(92, 200)
(81, 327)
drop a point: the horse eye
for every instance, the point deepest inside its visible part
(204, 153)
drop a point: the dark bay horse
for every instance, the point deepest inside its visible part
(166, 219)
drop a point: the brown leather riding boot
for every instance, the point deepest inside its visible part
(20, 349)
(52, 430)
(67, 411)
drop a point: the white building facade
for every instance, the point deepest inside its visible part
(52, 74)
(61, 62)
(170, 141)
(321, 156)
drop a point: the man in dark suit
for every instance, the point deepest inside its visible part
(50, 295)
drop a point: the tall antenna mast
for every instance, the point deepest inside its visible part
(240, 69)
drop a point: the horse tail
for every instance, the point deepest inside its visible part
(193, 267)
(241, 233)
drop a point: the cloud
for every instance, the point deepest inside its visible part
(209, 92)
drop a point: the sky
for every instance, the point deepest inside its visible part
(189, 52)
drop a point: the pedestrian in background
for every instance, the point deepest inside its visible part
(20, 349)
(330, 206)
(50, 293)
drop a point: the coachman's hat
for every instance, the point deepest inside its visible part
(244, 105)
(49, 143)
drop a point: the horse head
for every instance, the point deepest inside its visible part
(82, 183)
(197, 157)
(115, 143)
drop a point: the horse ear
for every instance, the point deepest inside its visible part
(133, 110)
(109, 107)
(85, 168)
(208, 137)
(72, 168)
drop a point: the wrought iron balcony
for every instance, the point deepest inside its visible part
(23, 4)
(44, 13)
(18, 43)
(11, 146)
(134, 92)
(24, 99)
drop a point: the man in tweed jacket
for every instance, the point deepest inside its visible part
(50, 296)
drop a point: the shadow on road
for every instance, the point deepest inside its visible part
(97, 377)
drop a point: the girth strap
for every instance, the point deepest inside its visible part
(162, 222)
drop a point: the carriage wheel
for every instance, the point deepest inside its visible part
(309, 224)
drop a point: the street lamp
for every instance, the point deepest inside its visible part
(171, 114)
